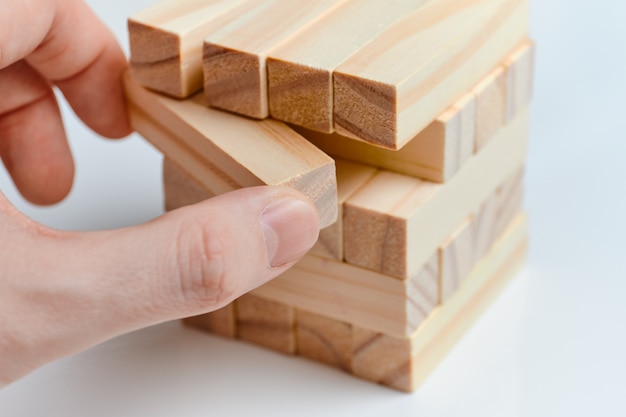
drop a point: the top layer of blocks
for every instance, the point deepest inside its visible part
(373, 70)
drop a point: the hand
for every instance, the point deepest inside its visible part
(62, 292)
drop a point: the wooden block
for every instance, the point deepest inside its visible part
(324, 340)
(166, 41)
(224, 152)
(519, 67)
(447, 324)
(510, 196)
(395, 223)
(266, 323)
(456, 259)
(350, 177)
(496, 213)
(300, 71)
(382, 359)
(220, 322)
(354, 295)
(235, 75)
(434, 154)
(490, 106)
(423, 292)
(404, 363)
(397, 84)
(179, 188)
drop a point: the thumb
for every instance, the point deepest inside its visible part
(78, 289)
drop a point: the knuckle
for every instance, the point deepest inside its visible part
(202, 256)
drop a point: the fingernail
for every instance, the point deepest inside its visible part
(290, 229)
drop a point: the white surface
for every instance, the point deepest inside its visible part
(552, 344)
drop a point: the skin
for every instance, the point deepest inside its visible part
(62, 292)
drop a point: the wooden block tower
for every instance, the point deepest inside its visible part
(406, 122)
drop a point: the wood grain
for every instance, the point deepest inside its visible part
(519, 67)
(397, 233)
(221, 151)
(444, 47)
(324, 340)
(300, 71)
(491, 101)
(234, 57)
(456, 259)
(166, 41)
(350, 177)
(355, 295)
(447, 324)
(404, 363)
(496, 213)
(382, 359)
(435, 154)
(266, 323)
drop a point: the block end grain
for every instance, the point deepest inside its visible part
(300, 95)
(155, 58)
(365, 110)
(235, 81)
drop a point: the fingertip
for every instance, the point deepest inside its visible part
(290, 229)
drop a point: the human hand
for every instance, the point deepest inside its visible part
(62, 292)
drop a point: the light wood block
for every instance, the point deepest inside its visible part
(382, 359)
(221, 322)
(434, 154)
(235, 74)
(266, 323)
(300, 71)
(166, 41)
(456, 259)
(350, 177)
(447, 324)
(490, 106)
(401, 362)
(496, 213)
(179, 188)
(350, 294)
(324, 340)
(404, 363)
(221, 151)
(444, 47)
(519, 67)
(395, 223)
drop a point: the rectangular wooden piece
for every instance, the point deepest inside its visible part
(266, 323)
(350, 177)
(519, 67)
(397, 84)
(394, 224)
(324, 340)
(434, 154)
(300, 71)
(234, 57)
(490, 106)
(224, 152)
(166, 41)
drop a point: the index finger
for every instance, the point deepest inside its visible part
(73, 49)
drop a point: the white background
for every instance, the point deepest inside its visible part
(553, 344)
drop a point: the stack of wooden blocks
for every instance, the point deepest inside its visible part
(422, 107)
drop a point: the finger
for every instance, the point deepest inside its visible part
(74, 50)
(190, 261)
(33, 146)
